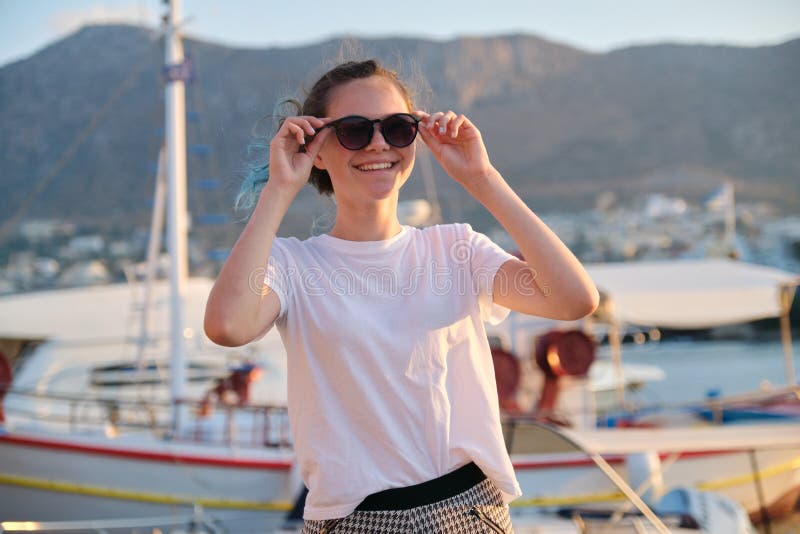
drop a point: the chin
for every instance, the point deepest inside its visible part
(383, 194)
(385, 190)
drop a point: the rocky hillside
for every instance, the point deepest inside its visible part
(562, 124)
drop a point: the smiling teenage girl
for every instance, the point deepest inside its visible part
(392, 398)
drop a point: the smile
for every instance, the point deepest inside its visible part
(375, 166)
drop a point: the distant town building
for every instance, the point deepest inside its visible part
(39, 230)
(86, 244)
(6, 286)
(121, 249)
(46, 268)
(659, 206)
(21, 268)
(85, 274)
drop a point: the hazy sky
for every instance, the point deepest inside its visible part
(596, 25)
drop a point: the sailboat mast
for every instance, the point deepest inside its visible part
(176, 74)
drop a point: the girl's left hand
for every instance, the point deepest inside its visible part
(457, 145)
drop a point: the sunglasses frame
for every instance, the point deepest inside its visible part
(372, 122)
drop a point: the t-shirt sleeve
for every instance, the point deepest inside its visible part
(486, 257)
(275, 275)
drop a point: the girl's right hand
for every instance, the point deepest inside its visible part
(290, 167)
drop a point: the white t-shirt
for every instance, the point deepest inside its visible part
(390, 377)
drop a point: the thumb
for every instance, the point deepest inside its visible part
(430, 140)
(313, 148)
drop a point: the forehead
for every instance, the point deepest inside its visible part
(372, 97)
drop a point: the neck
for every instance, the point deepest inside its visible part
(374, 222)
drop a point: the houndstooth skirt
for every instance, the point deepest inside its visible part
(478, 510)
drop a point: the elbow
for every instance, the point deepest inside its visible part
(582, 304)
(587, 304)
(221, 332)
(590, 302)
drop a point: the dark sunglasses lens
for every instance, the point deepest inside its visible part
(354, 132)
(399, 130)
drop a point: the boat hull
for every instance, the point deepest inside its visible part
(93, 479)
(552, 481)
(252, 490)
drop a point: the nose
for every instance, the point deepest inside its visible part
(377, 143)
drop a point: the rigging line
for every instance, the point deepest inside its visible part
(200, 200)
(76, 144)
(208, 201)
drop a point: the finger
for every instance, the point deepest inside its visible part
(445, 121)
(423, 118)
(317, 121)
(456, 124)
(429, 138)
(315, 145)
(433, 119)
(320, 126)
(287, 137)
(305, 123)
(296, 131)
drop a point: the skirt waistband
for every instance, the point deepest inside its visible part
(429, 492)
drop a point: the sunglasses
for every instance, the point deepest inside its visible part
(355, 132)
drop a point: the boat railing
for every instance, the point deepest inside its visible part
(714, 407)
(255, 425)
(220, 423)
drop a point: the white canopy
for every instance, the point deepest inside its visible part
(107, 312)
(691, 439)
(691, 294)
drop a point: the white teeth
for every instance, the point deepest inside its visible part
(375, 166)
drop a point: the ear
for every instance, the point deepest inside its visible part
(318, 162)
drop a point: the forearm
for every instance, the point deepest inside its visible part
(233, 311)
(556, 271)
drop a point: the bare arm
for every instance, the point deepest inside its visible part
(552, 282)
(240, 306)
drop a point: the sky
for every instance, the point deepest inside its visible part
(593, 25)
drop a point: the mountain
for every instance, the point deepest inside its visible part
(561, 124)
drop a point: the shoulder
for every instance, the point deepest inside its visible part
(447, 242)
(293, 244)
(293, 251)
(445, 232)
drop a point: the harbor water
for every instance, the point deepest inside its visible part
(696, 368)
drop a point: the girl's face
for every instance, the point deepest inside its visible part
(379, 170)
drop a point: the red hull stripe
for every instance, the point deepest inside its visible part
(144, 455)
(278, 465)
